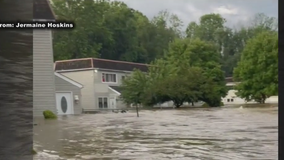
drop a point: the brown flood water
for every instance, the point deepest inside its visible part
(193, 134)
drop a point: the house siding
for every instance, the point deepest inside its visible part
(119, 102)
(63, 86)
(43, 74)
(102, 89)
(86, 79)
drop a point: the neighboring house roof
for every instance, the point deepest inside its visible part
(229, 79)
(97, 63)
(68, 80)
(116, 89)
(42, 10)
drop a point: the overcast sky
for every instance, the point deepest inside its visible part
(235, 11)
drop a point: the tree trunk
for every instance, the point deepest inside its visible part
(137, 110)
(192, 103)
(263, 98)
(178, 105)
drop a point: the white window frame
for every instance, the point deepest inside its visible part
(107, 100)
(104, 73)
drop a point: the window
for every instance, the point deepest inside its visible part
(228, 100)
(103, 102)
(232, 100)
(106, 77)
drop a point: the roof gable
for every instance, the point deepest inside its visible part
(115, 89)
(68, 80)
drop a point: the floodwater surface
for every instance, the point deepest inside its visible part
(197, 134)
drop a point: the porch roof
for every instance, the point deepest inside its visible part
(116, 89)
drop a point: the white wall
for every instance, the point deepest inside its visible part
(86, 78)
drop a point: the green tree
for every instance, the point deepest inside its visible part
(230, 42)
(87, 37)
(204, 55)
(192, 30)
(112, 30)
(133, 88)
(183, 86)
(211, 28)
(189, 72)
(257, 70)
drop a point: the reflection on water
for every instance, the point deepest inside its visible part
(209, 134)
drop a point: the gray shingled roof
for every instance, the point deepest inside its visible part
(117, 88)
(99, 63)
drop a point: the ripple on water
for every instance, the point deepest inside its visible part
(219, 134)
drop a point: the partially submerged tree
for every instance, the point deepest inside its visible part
(204, 55)
(189, 72)
(258, 68)
(183, 86)
(133, 88)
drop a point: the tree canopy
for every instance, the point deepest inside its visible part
(189, 72)
(187, 64)
(258, 68)
(112, 30)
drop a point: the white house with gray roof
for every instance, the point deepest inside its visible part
(101, 79)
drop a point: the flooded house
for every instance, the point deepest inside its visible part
(101, 79)
(51, 91)
(231, 98)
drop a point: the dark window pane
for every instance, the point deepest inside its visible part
(100, 103)
(63, 104)
(114, 77)
(105, 103)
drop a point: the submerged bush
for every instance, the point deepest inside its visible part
(205, 105)
(34, 152)
(49, 114)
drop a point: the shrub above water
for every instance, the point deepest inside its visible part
(205, 105)
(34, 152)
(49, 114)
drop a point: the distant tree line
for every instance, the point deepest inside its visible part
(187, 65)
